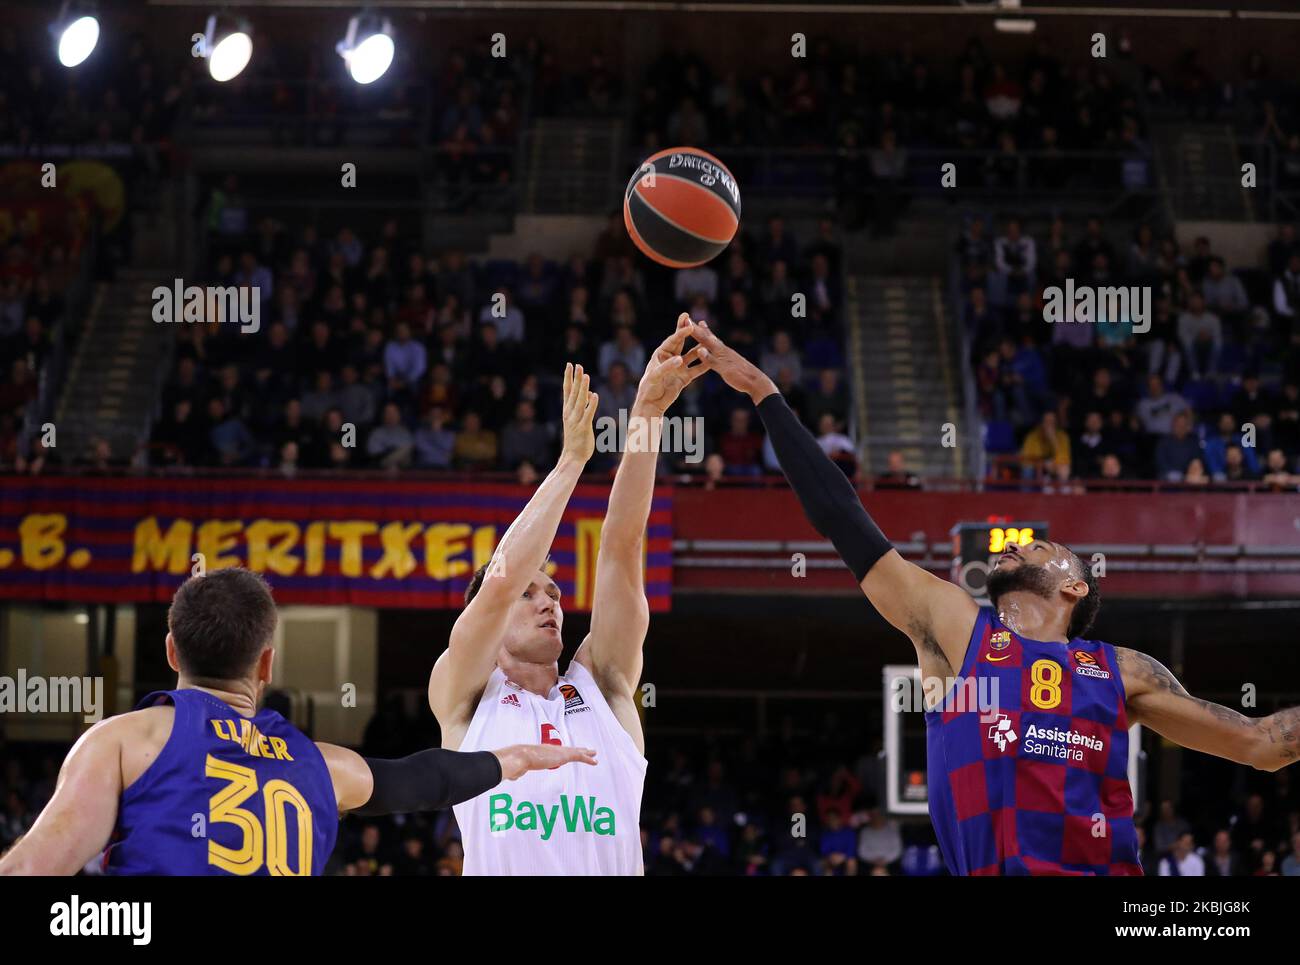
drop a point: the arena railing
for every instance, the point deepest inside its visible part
(863, 484)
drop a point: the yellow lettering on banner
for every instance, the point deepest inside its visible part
(442, 542)
(41, 536)
(155, 550)
(314, 550)
(269, 543)
(586, 545)
(350, 534)
(398, 558)
(485, 541)
(214, 538)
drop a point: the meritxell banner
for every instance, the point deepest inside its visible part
(382, 543)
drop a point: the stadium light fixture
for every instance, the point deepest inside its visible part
(1008, 25)
(228, 47)
(77, 32)
(368, 48)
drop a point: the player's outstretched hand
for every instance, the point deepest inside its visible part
(518, 759)
(736, 370)
(579, 410)
(669, 371)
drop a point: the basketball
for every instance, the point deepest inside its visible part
(682, 207)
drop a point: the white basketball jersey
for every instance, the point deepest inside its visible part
(574, 820)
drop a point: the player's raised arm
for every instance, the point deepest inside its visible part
(435, 778)
(1157, 700)
(461, 672)
(620, 612)
(78, 821)
(934, 613)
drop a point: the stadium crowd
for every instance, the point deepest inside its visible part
(374, 355)
(1204, 390)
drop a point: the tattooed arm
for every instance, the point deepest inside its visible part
(1157, 700)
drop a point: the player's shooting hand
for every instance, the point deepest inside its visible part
(579, 410)
(669, 371)
(519, 759)
(736, 370)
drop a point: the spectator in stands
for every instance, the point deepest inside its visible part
(20, 390)
(701, 280)
(782, 355)
(506, 316)
(625, 349)
(1015, 259)
(475, 447)
(405, 362)
(434, 442)
(1226, 435)
(837, 844)
(1156, 412)
(617, 393)
(1277, 473)
(1176, 450)
(1046, 449)
(831, 396)
(390, 443)
(896, 474)
(1223, 861)
(1090, 446)
(1286, 289)
(880, 842)
(1195, 474)
(1201, 333)
(838, 446)
(231, 442)
(1291, 863)
(524, 439)
(740, 445)
(888, 162)
(1182, 860)
(1224, 293)
(320, 399)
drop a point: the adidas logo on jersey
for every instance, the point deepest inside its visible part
(511, 700)
(574, 814)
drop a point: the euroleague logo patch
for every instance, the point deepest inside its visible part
(573, 702)
(1087, 666)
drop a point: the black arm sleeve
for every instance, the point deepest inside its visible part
(429, 780)
(828, 498)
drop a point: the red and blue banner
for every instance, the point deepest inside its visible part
(365, 542)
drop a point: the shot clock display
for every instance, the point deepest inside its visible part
(977, 545)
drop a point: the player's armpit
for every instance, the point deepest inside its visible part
(78, 822)
(1157, 700)
(936, 615)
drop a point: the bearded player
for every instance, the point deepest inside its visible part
(1024, 788)
(199, 781)
(500, 674)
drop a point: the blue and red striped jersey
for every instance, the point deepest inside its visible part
(1028, 759)
(227, 794)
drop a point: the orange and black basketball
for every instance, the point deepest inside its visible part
(682, 207)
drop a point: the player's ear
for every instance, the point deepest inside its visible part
(264, 664)
(172, 660)
(1075, 588)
